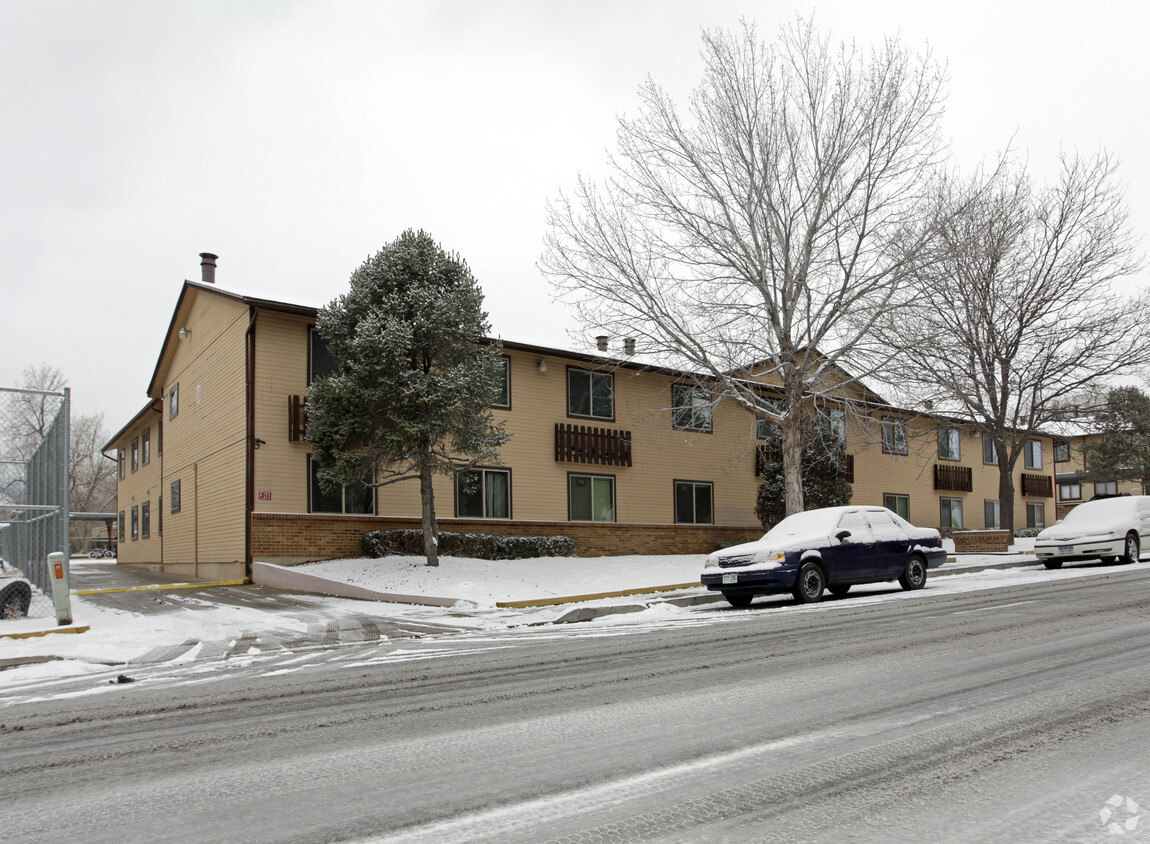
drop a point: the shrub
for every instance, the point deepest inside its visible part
(480, 546)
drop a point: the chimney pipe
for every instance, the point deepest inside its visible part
(208, 267)
(601, 341)
(629, 346)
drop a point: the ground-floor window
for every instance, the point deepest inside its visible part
(1069, 492)
(175, 496)
(897, 503)
(146, 519)
(694, 503)
(591, 498)
(120, 526)
(483, 494)
(950, 512)
(358, 497)
(135, 523)
(993, 513)
(1035, 514)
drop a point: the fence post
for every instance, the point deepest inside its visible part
(58, 574)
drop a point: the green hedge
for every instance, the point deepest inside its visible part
(480, 546)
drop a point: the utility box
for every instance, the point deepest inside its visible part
(61, 597)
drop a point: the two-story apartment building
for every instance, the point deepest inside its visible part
(215, 471)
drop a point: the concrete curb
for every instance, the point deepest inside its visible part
(32, 634)
(578, 599)
(158, 586)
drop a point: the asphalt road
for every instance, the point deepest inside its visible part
(1018, 714)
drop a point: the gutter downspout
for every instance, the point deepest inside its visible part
(250, 413)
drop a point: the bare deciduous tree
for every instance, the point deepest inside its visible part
(1016, 313)
(777, 218)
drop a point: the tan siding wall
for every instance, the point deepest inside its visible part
(143, 485)
(204, 446)
(644, 492)
(281, 371)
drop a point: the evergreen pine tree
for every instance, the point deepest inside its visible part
(413, 385)
(1122, 452)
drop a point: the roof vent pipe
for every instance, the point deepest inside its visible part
(601, 342)
(208, 267)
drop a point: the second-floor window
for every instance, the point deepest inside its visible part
(135, 455)
(690, 408)
(1062, 452)
(503, 399)
(948, 444)
(590, 394)
(989, 452)
(1106, 488)
(320, 360)
(174, 401)
(146, 446)
(1032, 454)
(1069, 492)
(122, 461)
(894, 436)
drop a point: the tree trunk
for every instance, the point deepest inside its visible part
(1006, 494)
(792, 426)
(430, 526)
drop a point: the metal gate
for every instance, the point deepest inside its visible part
(34, 486)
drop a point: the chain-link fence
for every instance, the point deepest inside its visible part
(33, 497)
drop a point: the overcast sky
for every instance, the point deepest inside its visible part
(294, 139)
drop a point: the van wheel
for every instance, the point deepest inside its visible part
(839, 589)
(809, 585)
(914, 575)
(739, 599)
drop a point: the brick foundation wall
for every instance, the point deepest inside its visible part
(976, 541)
(287, 536)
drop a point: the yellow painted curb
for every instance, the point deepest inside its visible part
(575, 599)
(156, 586)
(37, 633)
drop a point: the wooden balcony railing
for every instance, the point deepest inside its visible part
(585, 444)
(1037, 486)
(953, 478)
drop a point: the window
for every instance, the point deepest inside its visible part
(896, 503)
(1106, 488)
(1035, 514)
(135, 523)
(591, 498)
(483, 494)
(355, 497)
(320, 360)
(894, 436)
(948, 444)
(1062, 452)
(837, 420)
(120, 526)
(122, 460)
(1032, 454)
(1070, 492)
(135, 455)
(504, 397)
(174, 400)
(693, 503)
(992, 512)
(146, 446)
(146, 519)
(989, 452)
(950, 512)
(590, 394)
(691, 408)
(175, 496)
(159, 515)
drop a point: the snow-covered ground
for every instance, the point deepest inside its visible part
(117, 637)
